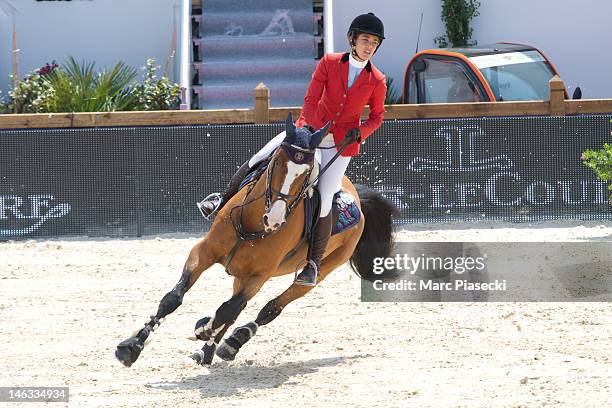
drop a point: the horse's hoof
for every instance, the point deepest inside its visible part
(124, 355)
(200, 330)
(198, 357)
(204, 356)
(226, 352)
(128, 351)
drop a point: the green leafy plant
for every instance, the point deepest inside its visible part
(457, 15)
(78, 88)
(393, 96)
(156, 94)
(600, 161)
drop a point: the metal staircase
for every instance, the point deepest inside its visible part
(239, 43)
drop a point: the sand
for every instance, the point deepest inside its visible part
(67, 303)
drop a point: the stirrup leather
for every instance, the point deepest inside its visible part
(216, 199)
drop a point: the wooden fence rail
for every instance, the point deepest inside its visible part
(263, 113)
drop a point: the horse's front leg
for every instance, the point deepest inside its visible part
(212, 330)
(199, 260)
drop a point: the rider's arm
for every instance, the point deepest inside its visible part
(377, 110)
(313, 96)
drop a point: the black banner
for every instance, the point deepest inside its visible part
(517, 169)
(141, 181)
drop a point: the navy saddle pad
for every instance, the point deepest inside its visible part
(345, 213)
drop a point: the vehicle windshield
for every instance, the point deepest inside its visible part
(516, 76)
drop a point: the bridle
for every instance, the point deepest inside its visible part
(298, 155)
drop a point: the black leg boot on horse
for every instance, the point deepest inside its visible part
(316, 250)
(215, 201)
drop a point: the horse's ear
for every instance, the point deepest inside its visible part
(317, 136)
(290, 126)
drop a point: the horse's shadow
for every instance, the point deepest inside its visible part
(225, 380)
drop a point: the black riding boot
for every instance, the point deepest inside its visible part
(318, 243)
(214, 202)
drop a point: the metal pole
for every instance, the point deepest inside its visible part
(328, 26)
(15, 55)
(185, 47)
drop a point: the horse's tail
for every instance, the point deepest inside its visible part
(377, 237)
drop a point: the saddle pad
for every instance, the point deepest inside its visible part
(346, 214)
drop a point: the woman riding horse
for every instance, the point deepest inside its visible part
(342, 85)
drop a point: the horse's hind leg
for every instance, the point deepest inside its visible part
(198, 261)
(212, 330)
(231, 345)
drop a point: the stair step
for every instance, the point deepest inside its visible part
(295, 46)
(241, 96)
(236, 6)
(249, 23)
(260, 71)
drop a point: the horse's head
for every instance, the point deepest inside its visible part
(289, 172)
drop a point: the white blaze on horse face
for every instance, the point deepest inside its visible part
(276, 216)
(277, 213)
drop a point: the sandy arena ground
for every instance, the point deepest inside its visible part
(66, 304)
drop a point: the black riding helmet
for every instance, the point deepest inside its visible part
(367, 24)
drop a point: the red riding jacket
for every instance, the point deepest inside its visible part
(329, 99)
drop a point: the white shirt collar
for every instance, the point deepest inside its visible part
(355, 63)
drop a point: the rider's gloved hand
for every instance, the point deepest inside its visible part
(353, 136)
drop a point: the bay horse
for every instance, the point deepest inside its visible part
(273, 249)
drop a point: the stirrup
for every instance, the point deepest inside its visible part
(216, 198)
(304, 283)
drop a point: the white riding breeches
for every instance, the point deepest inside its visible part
(330, 182)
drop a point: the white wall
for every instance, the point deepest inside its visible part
(104, 31)
(574, 35)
